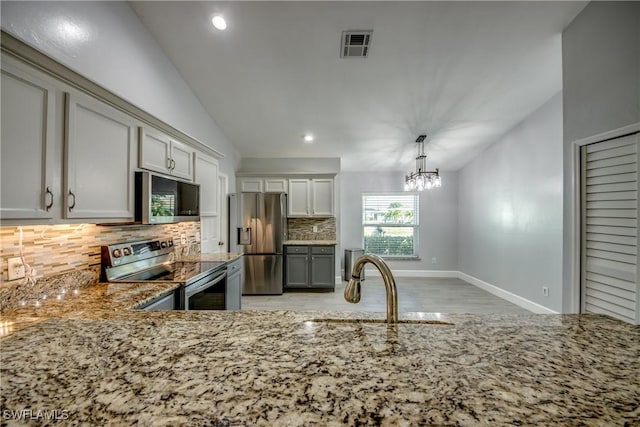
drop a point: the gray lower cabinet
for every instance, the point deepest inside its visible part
(233, 297)
(167, 302)
(322, 267)
(310, 267)
(297, 267)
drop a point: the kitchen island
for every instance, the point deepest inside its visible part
(102, 363)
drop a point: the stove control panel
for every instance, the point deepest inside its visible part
(125, 253)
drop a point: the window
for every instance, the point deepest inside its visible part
(390, 224)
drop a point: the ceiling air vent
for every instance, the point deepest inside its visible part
(355, 44)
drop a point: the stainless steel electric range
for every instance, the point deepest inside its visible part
(203, 283)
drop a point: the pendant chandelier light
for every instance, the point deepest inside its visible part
(422, 179)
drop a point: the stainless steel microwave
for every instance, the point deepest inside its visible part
(163, 200)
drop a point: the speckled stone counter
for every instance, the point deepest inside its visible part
(89, 358)
(123, 366)
(98, 301)
(77, 295)
(310, 242)
(223, 256)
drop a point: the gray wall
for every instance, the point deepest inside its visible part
(601, 85)
(107, 43)
(510, 209)
(291, 165)
(438, 217)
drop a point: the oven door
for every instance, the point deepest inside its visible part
(207, 293)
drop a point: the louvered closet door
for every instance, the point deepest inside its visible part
(609, 273)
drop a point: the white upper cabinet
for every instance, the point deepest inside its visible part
(155, 151)
(30, 172)
(206, 174)
(100, 157)
(262, 185)
(251, 185)
(298, 197)
(322, 197)
(310, 197)
(182, 158)
(65, 155)
(275, 185)
(160, 153)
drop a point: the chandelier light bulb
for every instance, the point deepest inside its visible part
(422, 177)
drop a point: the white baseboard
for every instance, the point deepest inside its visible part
(506, 295)
(415, 273)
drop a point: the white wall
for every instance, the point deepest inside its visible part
(601, 86)
(438, 217)
(510, 209)
(107, 43)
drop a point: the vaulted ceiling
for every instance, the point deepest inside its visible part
(462, 72)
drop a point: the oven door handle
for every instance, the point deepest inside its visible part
(192, 291)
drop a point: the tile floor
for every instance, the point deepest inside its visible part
(431, 295)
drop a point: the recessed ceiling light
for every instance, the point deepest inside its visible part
(308, 138)
(219, 22)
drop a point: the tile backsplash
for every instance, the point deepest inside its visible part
(55, 249)
(302, 228)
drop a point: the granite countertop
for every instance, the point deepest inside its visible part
(95, 361)
(310, 242)
(281, 368)
(68, 297)
(97, 301)
(223, 256)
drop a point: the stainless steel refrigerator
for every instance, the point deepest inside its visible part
(257, 228)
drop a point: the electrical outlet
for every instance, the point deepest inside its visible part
(183, 239)
(15, 268)
(545, 291)
(315, 228)
(434, 260)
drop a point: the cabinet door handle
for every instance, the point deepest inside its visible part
(169, 163)
(73, 205)
(50, 204)
(173, 164)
